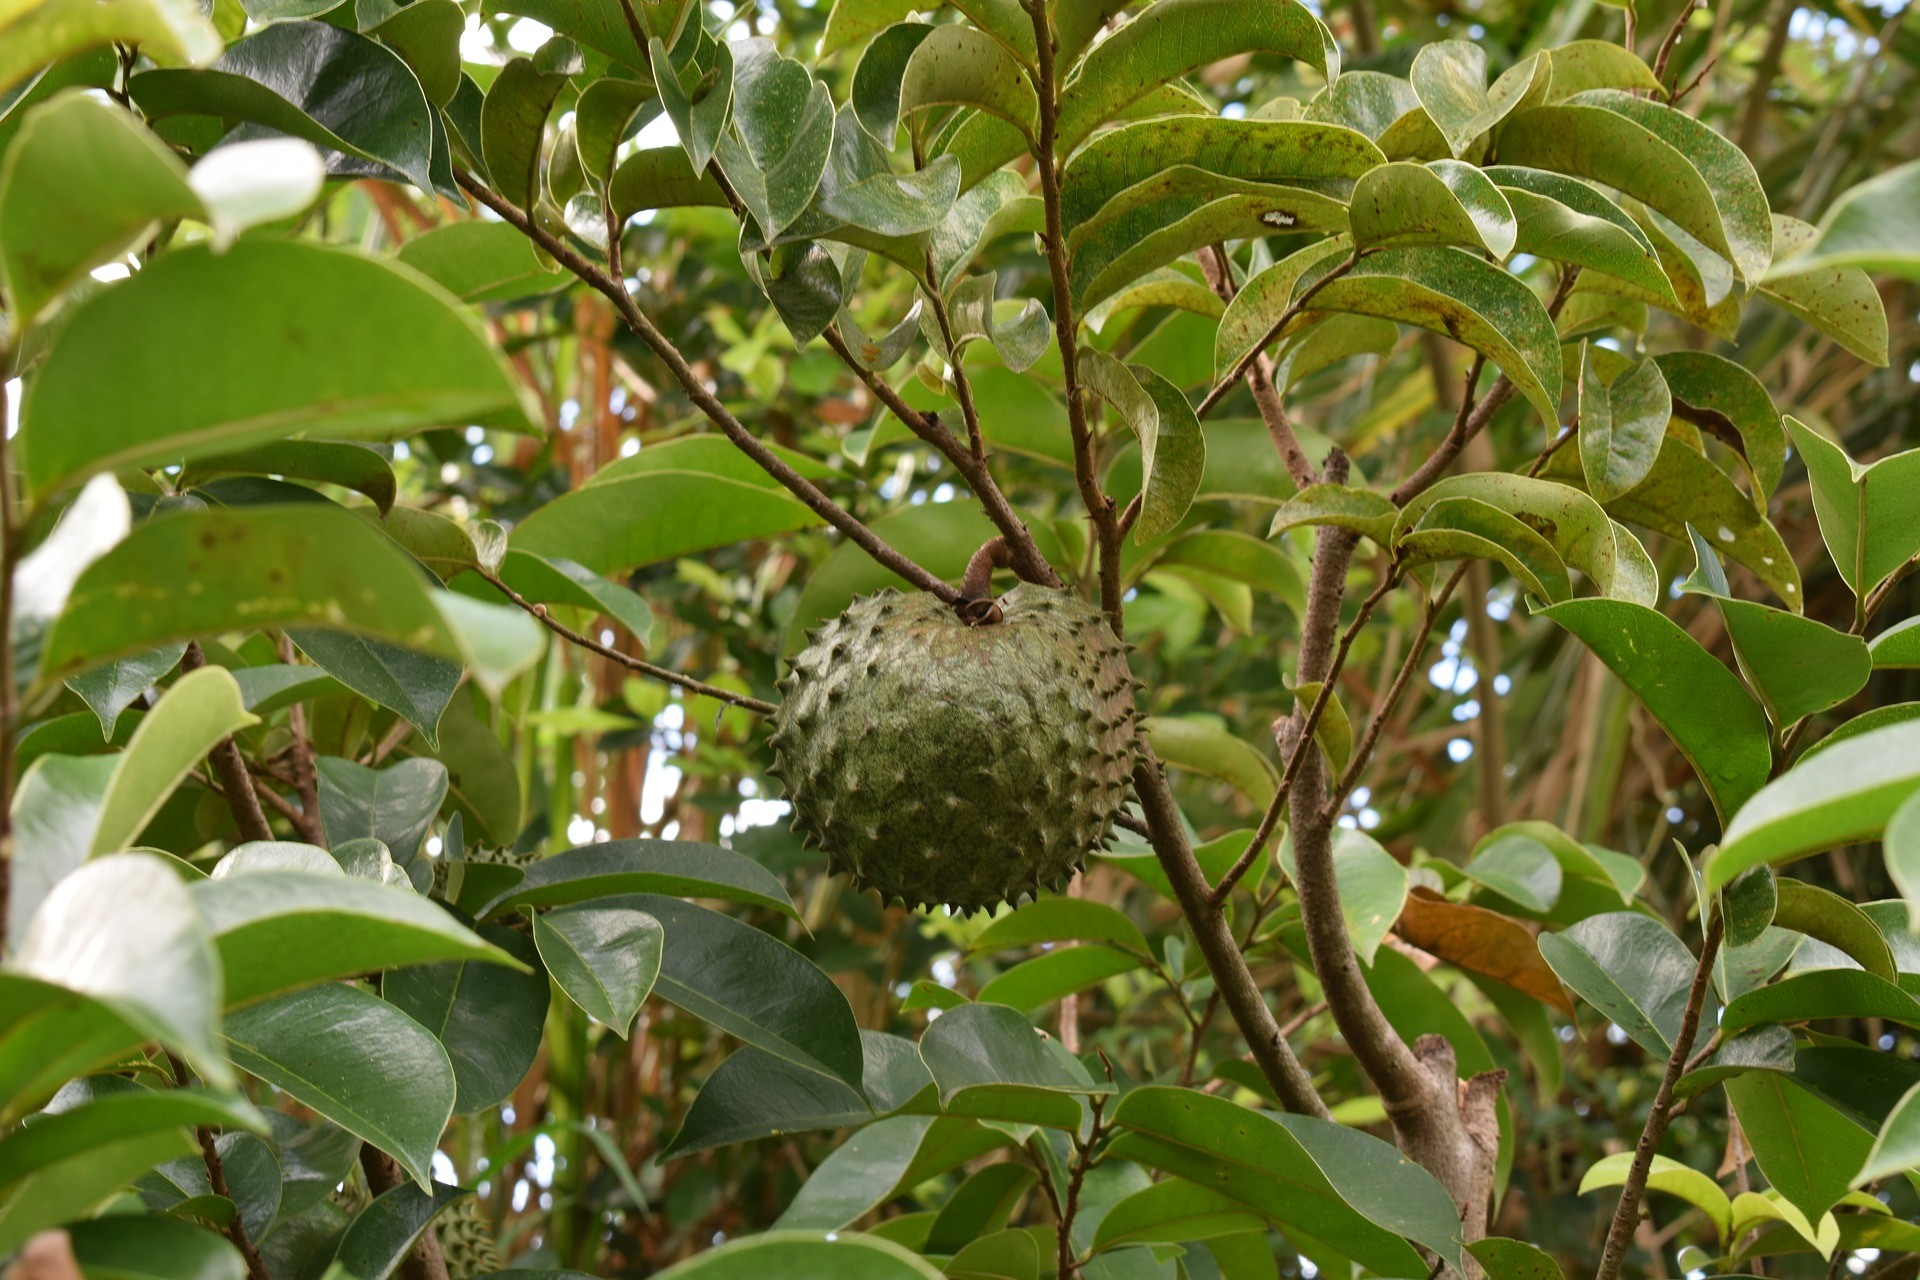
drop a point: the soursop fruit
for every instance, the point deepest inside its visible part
(942, 762)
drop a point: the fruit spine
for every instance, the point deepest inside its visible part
(942, 762)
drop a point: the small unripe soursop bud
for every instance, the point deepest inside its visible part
(938, 762)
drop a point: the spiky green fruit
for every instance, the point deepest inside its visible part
(938, 762)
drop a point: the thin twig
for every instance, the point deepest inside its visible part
(627, 660)
(231, 768)
(217, 1181)
(703, 397)
(1627, 1213)
(1670, 40)
(1294, 308)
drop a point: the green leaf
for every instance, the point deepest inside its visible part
(1670, 1176)
(854, 23)
(277, 930)
(752, 986)
(696, 97)
(152, 1247)
(288, 78)
(1622, 422)
(1701, 705)
(987, 1060)
(1453, 293)
(1571, 521)
(337, 1050)
(1870, 525)
(1170, 1211)
(1061, 920)
(478, 261)
(488, 1016)
(806, 1255)
(394, 805)
(680, 868)
(1048, 977)
(83, 182)
(604, 957)
(785, 122)
(1467, 528)
(1902, 845)
(1518, 868)
(1360, 510)
(666, 501)
(1748, 904)
(1567, 220)
(1174, 37)
(982, 1205)
(1173, 452)
(109, 690)
(1808, 1151)
(380, 1237)
(1896, 1148)
(1737, 193)
(1823, 914)
(1445, 203)
(191, 375)
(352, 466)
(1514, 1260)
(1269, 152)
(1872, 225)
(74, 1125)
(860, 1174)
(1796, 665)
(1840, 302)
(1598, 64)
(1590, 139)
(1843, 795)
(1631, 968)
(1205, 748)
(513, 120)
(1337, 1186)
(860, 186)
(35, 36)
(754, 1094)
(1897, 647)
(74, 1188)
(200, 710)
(1450, 78)
(124, 931)
(961, 66)
(415, 686)
(1728, 401)
(661, 178)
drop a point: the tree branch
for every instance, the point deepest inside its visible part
(1100, 508)
(217, 1181)
(1259, 375)
(1627, 1213)
(561, 629)
(1240, 366)
(424, 1261)
(704, 399)
(235, 782)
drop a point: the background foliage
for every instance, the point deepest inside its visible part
(376, 907)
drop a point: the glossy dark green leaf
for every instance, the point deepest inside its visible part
(348, 95)
(394, 805)
(1825, 915)
(806, 1255)
(109, 690)
(1335, 1185)
(277, 930)
(1819, 994)
(1701, 705)
(1748, 904)
(1173, 1210)
(875, 95)
(83, 182)
(1048, 977)
(754, 1094)
(193, 373)
(1061, 920)
(415, 686)
(1843, 795)
(861, 1173)
(988, 1061)
(604, 956)
(696, 97)
(428, 37)
(1631, 968)
(751, 985)
(381, 1235)
(675, 867)
(336, 1049)
(488, 1017)
(1373, 887)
